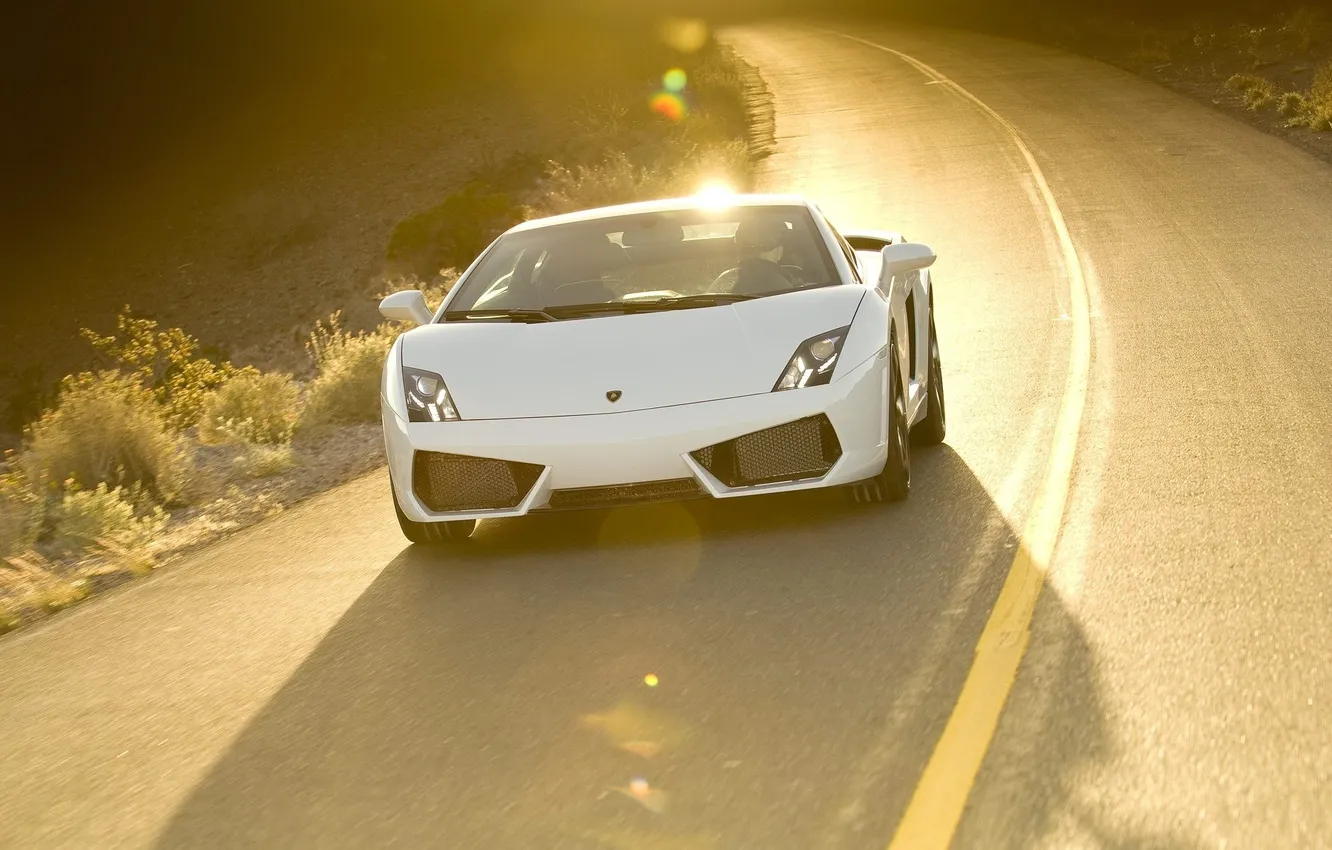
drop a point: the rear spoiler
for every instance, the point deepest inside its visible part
(872, 240)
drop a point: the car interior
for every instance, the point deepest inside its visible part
(652, 256)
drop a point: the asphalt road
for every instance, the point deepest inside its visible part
(314, 682)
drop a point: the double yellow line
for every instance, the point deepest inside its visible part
(932, 816)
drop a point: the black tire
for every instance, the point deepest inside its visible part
(893, 484)
(433, 533)
(895, 480)
(931, 430)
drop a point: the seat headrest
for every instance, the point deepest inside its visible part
(581, 258)
(761, 234)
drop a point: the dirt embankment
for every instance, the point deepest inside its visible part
(1270, 68)
(251, 232)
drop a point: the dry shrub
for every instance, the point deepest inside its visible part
(31, 585)
(455, 231)
(1306, 28)
(252, 407)
(1319, 109)
(1292, 105)
(107, 429)
(21, 513)
(434, 289)
(1258, 92)
(618, 179)
(104, 518)
(350, 366)
(165, 362)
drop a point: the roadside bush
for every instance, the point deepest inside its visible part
(453, 233)
(106, 428)
(434, 289)
(29, 584)
(104, 518)
(1258, 92)
(1319, 109)
(350, 366)
(251, 407)
(1292, 105)
(165, 362)
(21, 513)
(618, 180)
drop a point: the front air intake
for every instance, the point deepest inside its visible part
(625, 494)
(803, 449)
(447, 482)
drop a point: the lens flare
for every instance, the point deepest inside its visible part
(668, 104)
(687, 35)
(675, 80)
(651, 680)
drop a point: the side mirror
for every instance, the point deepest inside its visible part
(905, 257)
(406, 306)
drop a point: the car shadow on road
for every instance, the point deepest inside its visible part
(763, 673)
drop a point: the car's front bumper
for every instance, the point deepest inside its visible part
(633, 447)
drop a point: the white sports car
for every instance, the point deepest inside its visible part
(661, 351)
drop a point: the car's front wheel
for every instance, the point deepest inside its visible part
(433, 533)
(893, 484)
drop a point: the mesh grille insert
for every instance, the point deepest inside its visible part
(805, 448)
(447, 482)
(625, 494)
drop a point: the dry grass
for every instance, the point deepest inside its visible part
(21, 512)
(617, 150)
(166, 362)
(32, 586)
(107, 429)
(346, 389)
(1257, 91)
(107, 519)
(1312, 109)
(1305, 28)
(617, 179)
(1318, 110)
(252, 407)
(455, 231)
(1279, 61)
(1292, 104)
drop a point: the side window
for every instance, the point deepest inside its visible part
(850, 256)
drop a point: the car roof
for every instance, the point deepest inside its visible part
(665, 205)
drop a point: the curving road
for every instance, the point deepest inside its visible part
(314, 682)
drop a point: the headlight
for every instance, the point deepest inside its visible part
(813, 362)
(428, 400)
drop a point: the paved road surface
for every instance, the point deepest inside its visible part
(316, 683)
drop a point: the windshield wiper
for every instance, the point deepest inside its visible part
(511, 315)
(647, 305)
(703, 299)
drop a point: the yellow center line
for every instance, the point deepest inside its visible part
(936, 806)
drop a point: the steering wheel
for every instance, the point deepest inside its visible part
(725, 282)
(604, 293)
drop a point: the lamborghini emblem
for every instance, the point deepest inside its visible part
(613, 396)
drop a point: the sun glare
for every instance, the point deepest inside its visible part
(715, 193)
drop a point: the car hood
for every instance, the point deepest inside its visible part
(501, 370)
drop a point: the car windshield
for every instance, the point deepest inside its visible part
(646, 262)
